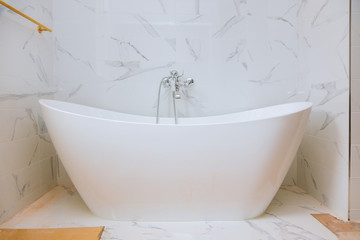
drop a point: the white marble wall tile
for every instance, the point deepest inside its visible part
(13, 159)
(26, 65)
(16, 124)
(20, 123)
(315, 180)
(63, 178)
(329, 125)
(24, 186)
(291, 176)
(333, 155)
(83, 8)
(324, 68)
(139, 7)
(9, 196)
(26, 75)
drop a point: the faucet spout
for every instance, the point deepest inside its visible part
(177, 94)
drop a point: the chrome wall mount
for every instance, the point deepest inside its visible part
(175, 83)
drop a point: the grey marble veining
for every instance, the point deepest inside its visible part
(340, 153)
(41, 124)
(7, 97)
(46, 11)
(331, 91)
(301, 5)
(147, 26)
(21, 188)
(45, 138)
(292, 231)
(161, 2)
(282, 19)
(75, 91)
(134, 68)
(131, 46)
(32, 158)
(62, 50)
(194, 53)
(15, 126)
(313, 181)
(292, 51)
(86, 6)
(239, 49)
(330, 117)
(261, 231)
(197, 7)
(31, 116)
(228, 25)
(268, 78)
(41, 73)
(326, 2)
(28, 40)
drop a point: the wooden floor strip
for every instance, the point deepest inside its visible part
(86, 233)
(343, 230)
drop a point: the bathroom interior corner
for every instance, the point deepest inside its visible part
(241, 55)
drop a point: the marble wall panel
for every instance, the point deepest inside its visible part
(27, 156)
(323, 162)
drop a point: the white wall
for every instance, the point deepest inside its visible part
(324, 62)
(242, 54)
(27, 158)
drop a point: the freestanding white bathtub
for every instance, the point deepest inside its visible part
(126, 167)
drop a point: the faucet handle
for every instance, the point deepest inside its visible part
(174, 73)
(166, 82)
(189, 82)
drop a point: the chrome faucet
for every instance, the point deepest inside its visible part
(174, 82)
(175, 76)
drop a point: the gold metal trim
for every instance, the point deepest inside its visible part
(41, 27)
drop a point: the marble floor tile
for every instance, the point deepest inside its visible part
(343, 230)
(287, 218)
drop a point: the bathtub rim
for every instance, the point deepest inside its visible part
(220, 119)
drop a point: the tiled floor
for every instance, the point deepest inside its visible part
(343, 230)
(287, 218)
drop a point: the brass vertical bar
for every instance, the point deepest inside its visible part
(40, 26)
